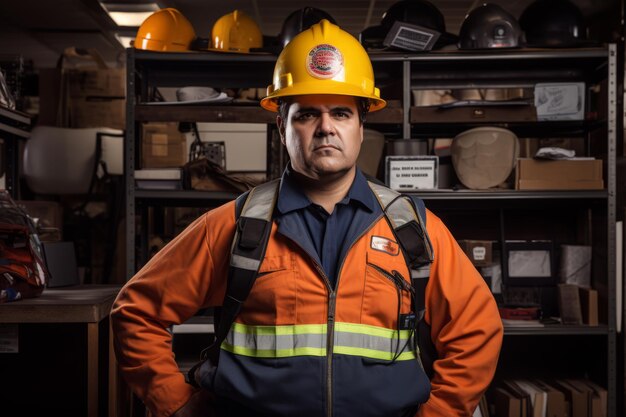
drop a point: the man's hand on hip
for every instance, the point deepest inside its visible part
(201, 404)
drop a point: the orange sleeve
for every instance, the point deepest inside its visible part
(465, 327)
(185, 276)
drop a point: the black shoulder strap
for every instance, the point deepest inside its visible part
(407, 217)
(254, 223)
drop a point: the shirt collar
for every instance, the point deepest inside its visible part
(291, 197)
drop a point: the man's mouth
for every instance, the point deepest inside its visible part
(325, 146)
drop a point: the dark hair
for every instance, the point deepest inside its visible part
(362, 106)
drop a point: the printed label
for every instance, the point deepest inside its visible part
(385, 245)
(479, 253)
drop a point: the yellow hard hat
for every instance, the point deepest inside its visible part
(165, 30)
(323, 59)
(236, 32)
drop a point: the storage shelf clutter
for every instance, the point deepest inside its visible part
(534, 207)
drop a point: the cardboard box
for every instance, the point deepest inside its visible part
(82, 92)
(245, 144)
(532, 174)
(478, 251)
(97, 112)
(163, 146)
(97, 82)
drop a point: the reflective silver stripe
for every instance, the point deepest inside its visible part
(365, 341)
(276, 342)
(310, 340)
(239, 261)
(260, 202)
(400, 211)
(385, 195)
(423, 272)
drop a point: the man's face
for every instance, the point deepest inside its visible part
(323, 134)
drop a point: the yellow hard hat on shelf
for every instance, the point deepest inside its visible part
(165, 30)
(323, 59)
(236, 32)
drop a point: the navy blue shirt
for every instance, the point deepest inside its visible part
(327, 233)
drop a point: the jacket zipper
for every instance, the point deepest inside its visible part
(331, 325)
(330, 330)
(330, 320)
(330, 335)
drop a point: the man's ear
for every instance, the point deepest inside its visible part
(281, 128)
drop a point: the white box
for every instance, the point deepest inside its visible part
(410, 173)
(245, 143)
(560, 101)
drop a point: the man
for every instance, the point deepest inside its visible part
(323, 331)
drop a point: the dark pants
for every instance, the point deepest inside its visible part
(228, 408)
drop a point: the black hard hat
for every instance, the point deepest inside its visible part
(300, 20)
(490, 26)
(553, 23)
(415, 12)
(421, 13)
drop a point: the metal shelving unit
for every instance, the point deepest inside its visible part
(524, 68)
(15, 126)
(556, 330)
(399, 73)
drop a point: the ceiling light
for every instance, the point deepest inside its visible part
(131, 19)
(129, 15)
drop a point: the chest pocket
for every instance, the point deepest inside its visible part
(386, 292)
(272, 299)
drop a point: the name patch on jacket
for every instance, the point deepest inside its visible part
(385, 245)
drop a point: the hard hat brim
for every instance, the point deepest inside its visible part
(222, 51)
(333, 88)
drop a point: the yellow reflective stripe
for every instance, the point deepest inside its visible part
(374, 354)
(369, 330)
(373, 342)
(310, 340)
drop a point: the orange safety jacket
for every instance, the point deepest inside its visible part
(298, 348)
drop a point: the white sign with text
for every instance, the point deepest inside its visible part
(412, 173)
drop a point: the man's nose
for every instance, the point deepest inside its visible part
(325, 125)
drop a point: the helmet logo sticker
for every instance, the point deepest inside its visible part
(324, 61)
(499, 32)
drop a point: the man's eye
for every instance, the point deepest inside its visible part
(305, 116)
(342, 115)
